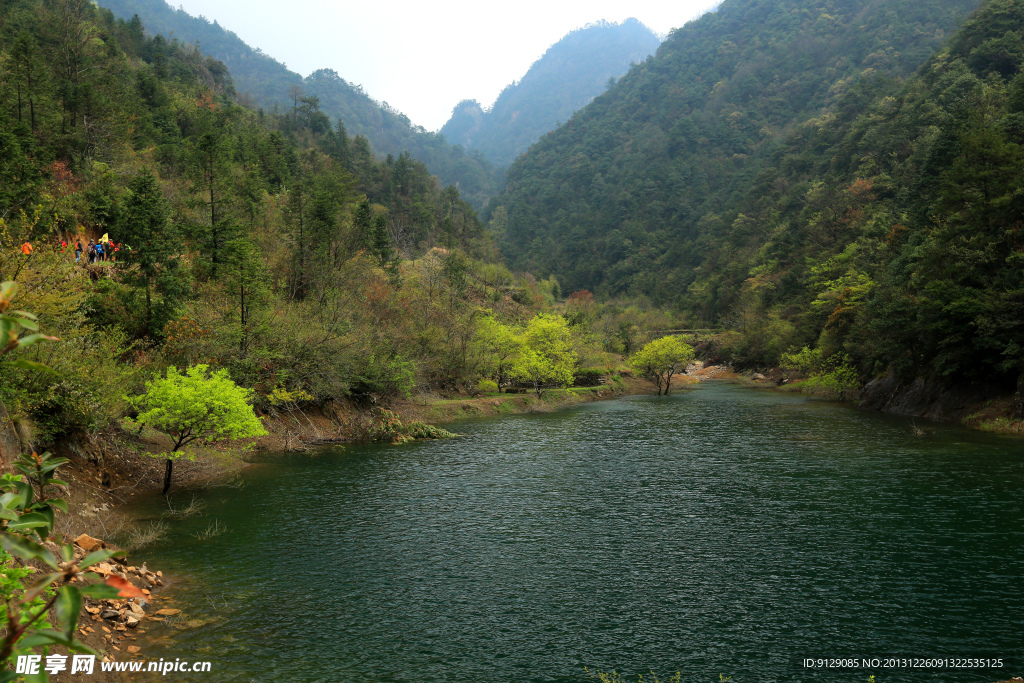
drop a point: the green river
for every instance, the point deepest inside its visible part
(721, 530)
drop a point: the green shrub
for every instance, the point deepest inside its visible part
(837, 379)
(805, 361)
(387, 426)
(488, 386)
(384, 375)
(588, 377)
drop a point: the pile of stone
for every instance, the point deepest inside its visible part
(124, 613)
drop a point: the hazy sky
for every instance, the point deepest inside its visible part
(424, 57)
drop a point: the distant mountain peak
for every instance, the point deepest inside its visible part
(569, 74)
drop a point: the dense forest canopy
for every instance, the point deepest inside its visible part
(616, 199)
(566, 78)
(269, 84)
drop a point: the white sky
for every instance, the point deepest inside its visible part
(424, 57)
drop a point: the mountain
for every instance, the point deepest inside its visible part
(571, 73)
(268, 83)
(842, 204)
(622, 197)
(889, 232)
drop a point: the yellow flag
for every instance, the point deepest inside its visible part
(104, 239)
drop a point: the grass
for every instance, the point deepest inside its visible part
(194, 507)
(136, 536)
(212, 531)
(1002, 425)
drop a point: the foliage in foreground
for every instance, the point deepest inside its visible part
(27, 511)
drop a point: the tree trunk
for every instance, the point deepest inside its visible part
(167, 477)
(10, 444)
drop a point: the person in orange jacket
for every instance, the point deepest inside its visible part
(26, 248)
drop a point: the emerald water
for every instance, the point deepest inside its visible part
(721, 530)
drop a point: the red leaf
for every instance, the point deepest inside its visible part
(125, 589)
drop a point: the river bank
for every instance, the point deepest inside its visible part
(981, 406)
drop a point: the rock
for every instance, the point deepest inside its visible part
(131, 621)
(133, 649)
(168, 612)
(110, 614)
(758, 377)
(137, 610)
(88, 543)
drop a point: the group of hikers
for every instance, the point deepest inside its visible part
(103, 249)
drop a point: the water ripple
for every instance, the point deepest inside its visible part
(720, 530)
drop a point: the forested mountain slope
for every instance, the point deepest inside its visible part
(885, 230)
(619, 198)
(568, 76)
(890, 230)
(263, 243)
(270, 83)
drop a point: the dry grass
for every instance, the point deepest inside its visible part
(138, 536)
(212, 531)
(194, 507)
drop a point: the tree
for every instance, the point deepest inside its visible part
(194, 406)
(499, 345)
(155, 244)
(211, 172)
(247, 283)
(534, 368)
(28, 72)
(548, 354)
(660, 359)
